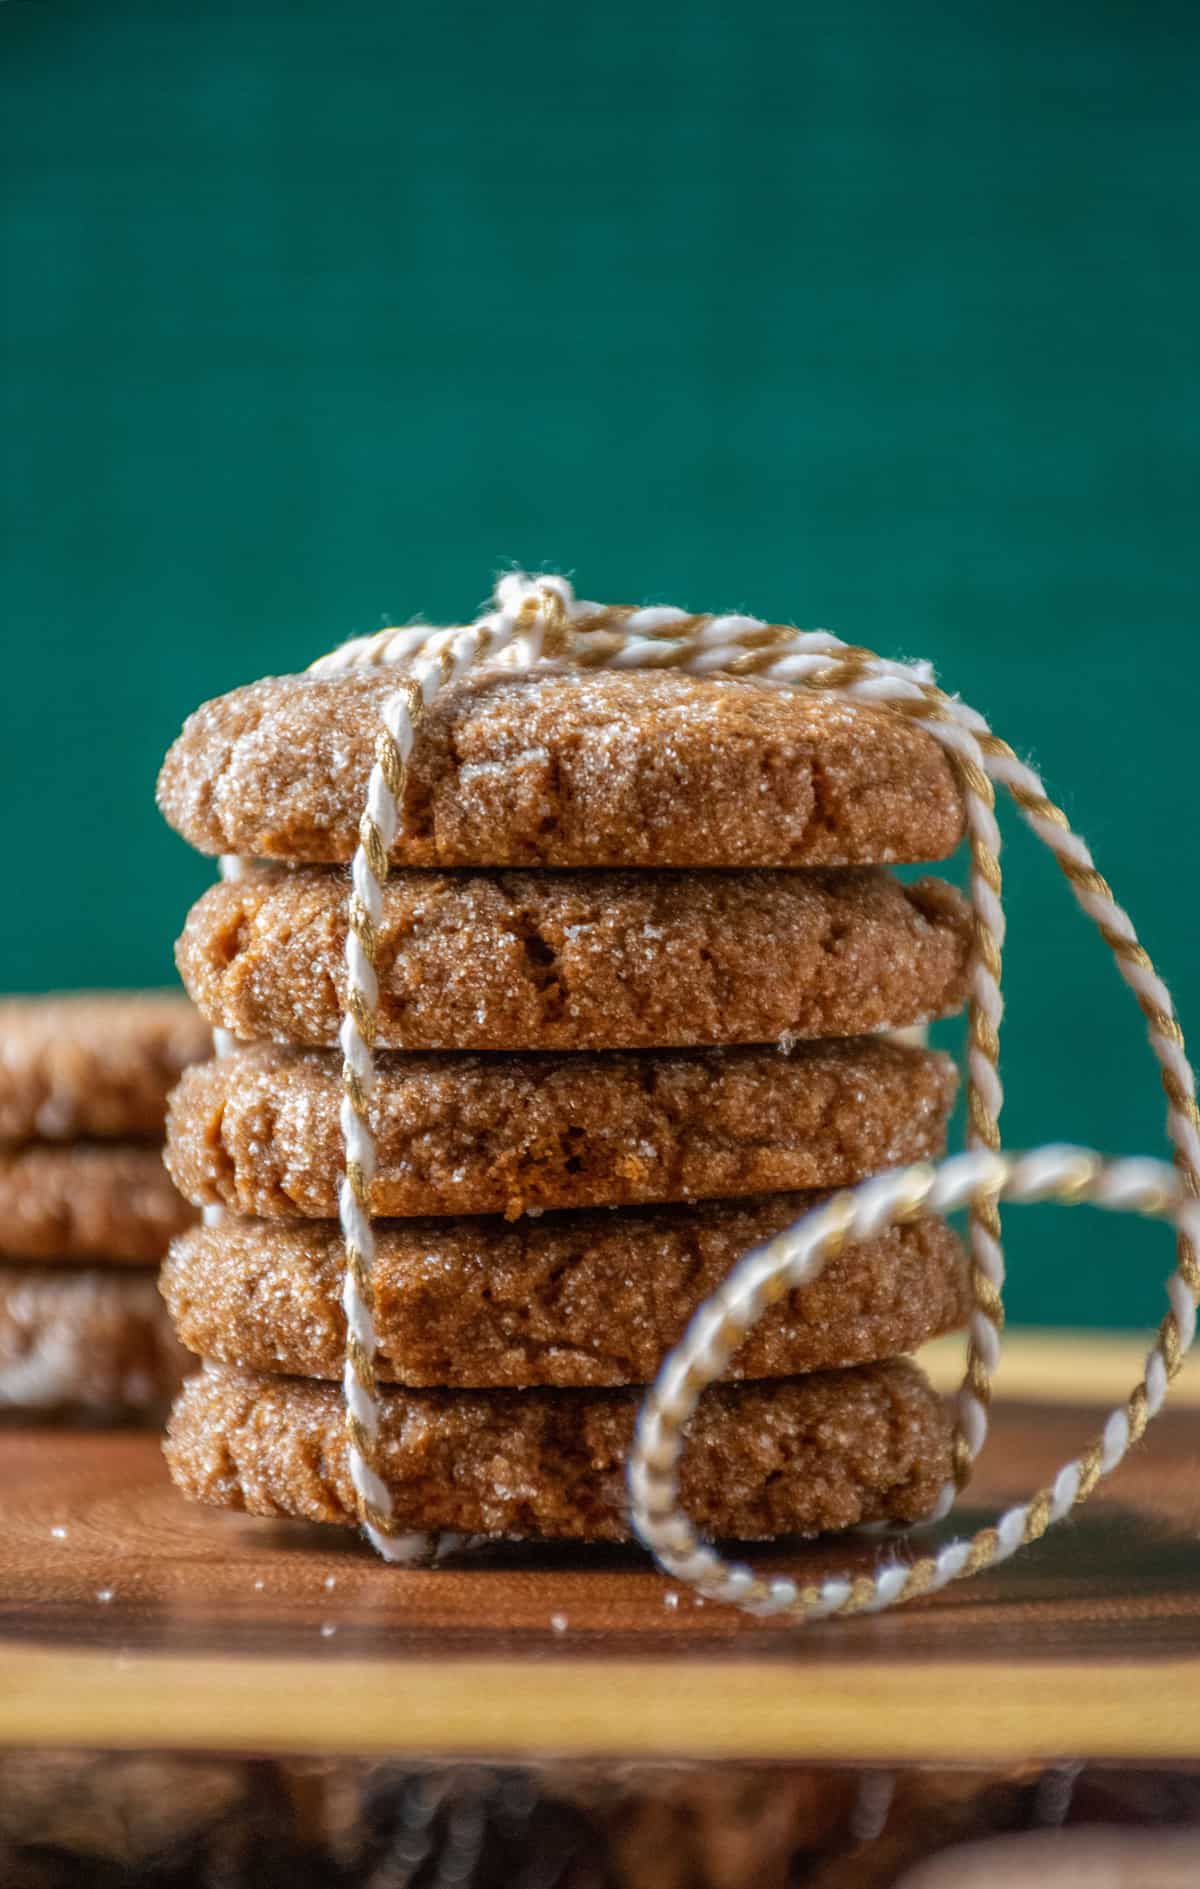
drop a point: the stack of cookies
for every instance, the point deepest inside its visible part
(639, 966)
(86, 1205)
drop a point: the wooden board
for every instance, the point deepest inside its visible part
(130, 1620)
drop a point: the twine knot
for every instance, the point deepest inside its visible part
(541, 607)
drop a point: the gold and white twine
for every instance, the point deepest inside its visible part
(798, 1256)
(231, 866)
(436, 662)
(539, 622)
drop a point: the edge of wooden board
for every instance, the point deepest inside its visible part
(958, 1711)
(1047, 1366)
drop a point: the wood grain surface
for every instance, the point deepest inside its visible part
(128, 1618)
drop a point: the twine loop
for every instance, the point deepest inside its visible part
(799, 1255)
(538, 623)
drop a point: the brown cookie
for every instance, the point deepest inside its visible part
(794, 1457)
(93, 1063)
(596, 769)
(94, 1342)
(88, 1200)
(582, 960)
(259, 1130)
(573, 1299)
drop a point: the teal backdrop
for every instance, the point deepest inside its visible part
(874, 317)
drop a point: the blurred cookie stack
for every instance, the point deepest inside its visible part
(86, 1205)
(638, 966)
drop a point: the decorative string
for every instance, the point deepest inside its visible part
(798, 1256)
(538, 621)
(455, 652)
(230, 866)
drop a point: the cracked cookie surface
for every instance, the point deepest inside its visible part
(581, 960)
(797, 1456)
(575, 769)
(573, 1299)
(259, 1130)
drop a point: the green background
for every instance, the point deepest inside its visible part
(876, 317)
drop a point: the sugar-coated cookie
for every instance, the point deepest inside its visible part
(93, 1342)
(259, 1130)
(93, 1064)
(793, 1457)
(593, 769)
(570, 1299)
(100, 1201)
(582, 960)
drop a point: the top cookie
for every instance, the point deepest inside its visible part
(575, 769)
(94, 1063)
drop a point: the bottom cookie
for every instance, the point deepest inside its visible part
(94, 1343)
(798, 1456)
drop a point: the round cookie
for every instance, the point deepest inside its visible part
(566, 769)
(88, 1200)
(572, 1300)
(92, 1342)
(794, 1457)
(94, 1063)
(259, 1130)
(582, 960)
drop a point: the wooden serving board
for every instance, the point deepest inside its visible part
(130, 1620)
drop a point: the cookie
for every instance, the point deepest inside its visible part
(582, 960)
(573, 1299)
(259, 1130)
(794, 1457)
(107, 1201)
(597, 769)
(93, 1063)
(93, 1342)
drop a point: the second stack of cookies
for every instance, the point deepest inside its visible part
(86, 1206)
(637, 964)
